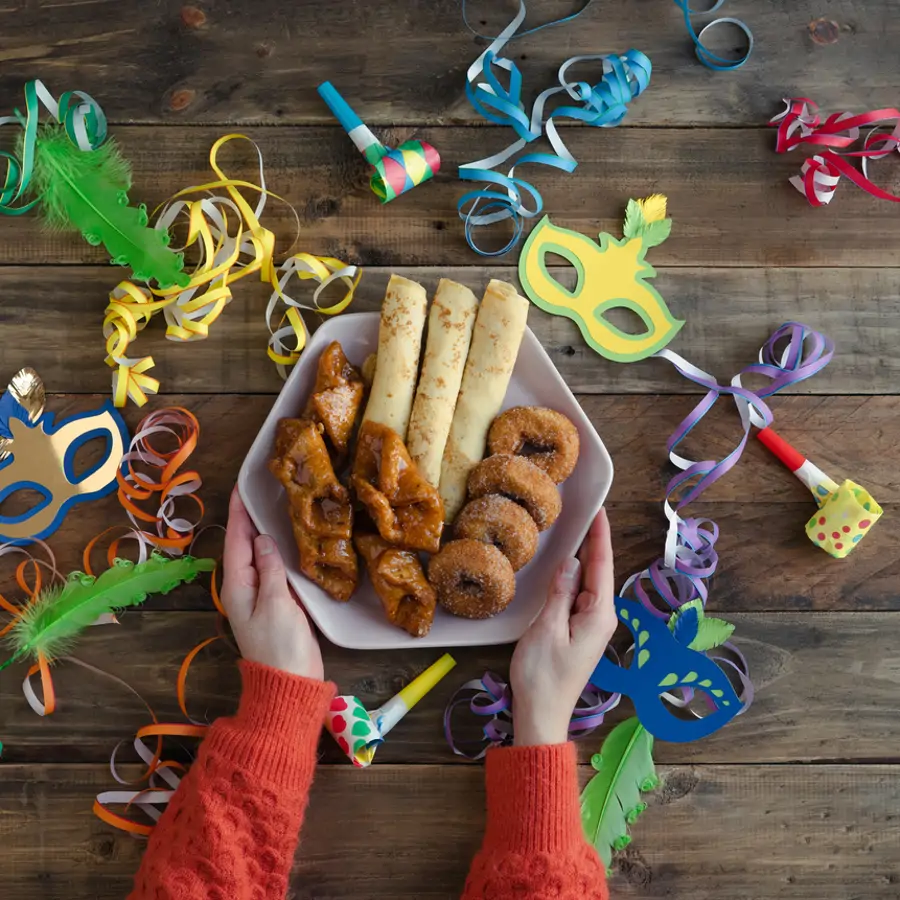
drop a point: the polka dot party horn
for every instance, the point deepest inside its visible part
(359, 732)
(846, 511)
(396, 171)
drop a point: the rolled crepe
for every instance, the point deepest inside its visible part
(498, 332)
(450, 324)
(399, 343)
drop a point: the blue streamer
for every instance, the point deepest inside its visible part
(601, 105)
(704, 54)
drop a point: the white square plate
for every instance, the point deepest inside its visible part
(361, 624)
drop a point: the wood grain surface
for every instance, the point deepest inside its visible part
(728, 192)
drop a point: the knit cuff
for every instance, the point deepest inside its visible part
(276, 729)
(532, 798)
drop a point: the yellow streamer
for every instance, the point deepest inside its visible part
(225, 257)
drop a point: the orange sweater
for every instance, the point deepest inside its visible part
(231, 829)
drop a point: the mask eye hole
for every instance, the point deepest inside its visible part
(22, 500)
(622, 316)
(562, 269)
(86, 454)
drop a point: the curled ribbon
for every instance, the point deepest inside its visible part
(490, 697)
(602, 105)
(800, 123)
(704, 54)
(152, 474)
(160, 775)
(226, 232)
(45, 704)
(77, 112)
(793, 353)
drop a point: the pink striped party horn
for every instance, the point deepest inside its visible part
(846, 511)
(396, 171)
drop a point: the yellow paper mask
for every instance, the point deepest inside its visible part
(38, 455)
(610, 275)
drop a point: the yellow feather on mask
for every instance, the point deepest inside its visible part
(653, 207)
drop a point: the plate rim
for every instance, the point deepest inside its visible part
(319, 337)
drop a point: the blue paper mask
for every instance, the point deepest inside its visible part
(664, 662)
(37, 454)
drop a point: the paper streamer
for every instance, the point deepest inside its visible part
(226, 232)
(602, 105)
(799, 123)
(847, 511)
(793, 353)
(152, 483)
(704, 54)
(489, 697)
(360, 733)
(396, 171)
(77, 112)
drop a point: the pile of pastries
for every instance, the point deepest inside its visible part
(385, 461)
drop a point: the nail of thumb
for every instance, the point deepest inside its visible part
(569, 572)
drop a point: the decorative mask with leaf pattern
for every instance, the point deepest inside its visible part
(37, 454)
(609, 275)
(671, 658)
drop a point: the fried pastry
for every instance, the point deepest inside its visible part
(336, 398)
(406, 509)
(408, 599)
(321, 512)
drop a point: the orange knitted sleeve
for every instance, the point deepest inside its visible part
(534, 848)
(231, 829)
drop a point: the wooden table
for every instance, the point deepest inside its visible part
(798, 798)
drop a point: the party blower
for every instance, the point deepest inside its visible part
(846, 511)
(359, 732)
(396, 171)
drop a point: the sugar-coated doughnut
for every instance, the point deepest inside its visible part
(548, 433)
(518, 479)
(497, 520)
(471, 579)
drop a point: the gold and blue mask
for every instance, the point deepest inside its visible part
(38, 454)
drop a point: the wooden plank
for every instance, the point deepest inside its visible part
(761, 509)
(819, 829)
(728, 190)
(51, 319)
(230, 64)
(826, 690)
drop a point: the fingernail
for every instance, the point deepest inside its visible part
(236, 501)
(264, 545)
(571, 568)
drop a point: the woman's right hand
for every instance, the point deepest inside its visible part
(557, 655)
(268, 622)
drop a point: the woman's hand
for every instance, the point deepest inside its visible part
(555, 658)
(268, 623)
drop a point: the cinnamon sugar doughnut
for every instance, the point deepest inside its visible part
(471, 579)
(519, 479)
(552, 436)
(497, 520)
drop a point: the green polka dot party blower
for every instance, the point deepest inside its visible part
(846, 512)
(359, 732)
(396, 171)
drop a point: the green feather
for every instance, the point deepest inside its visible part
(87, 190)
(54, 620)
(611, 800)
